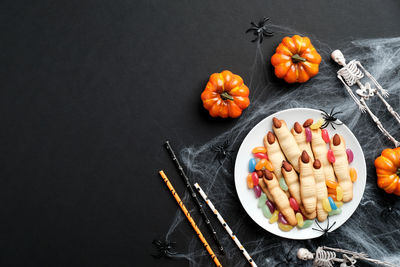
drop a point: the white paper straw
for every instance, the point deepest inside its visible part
(225, 225)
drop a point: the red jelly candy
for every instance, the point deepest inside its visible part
(254, 176)
(293, 204)
(261, 155)
(331, 157)
(325, 135)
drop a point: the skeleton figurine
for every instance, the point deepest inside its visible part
(326, 257)
(351, 74)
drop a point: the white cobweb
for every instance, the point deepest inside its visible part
(367, 230)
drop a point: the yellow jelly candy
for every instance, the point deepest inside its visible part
(339, 204)
(300, 219)
(339, 193)
(274, 217)
(353, 175)
(317, 125)
(326, 205)
(261, 164)
(285, 227)
(259, 149)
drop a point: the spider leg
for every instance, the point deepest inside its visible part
(324, 112)
(336, 113)
(324, 125)
(267, 33)
(251, 29)
(265, 19)
(255, 25)
(261, 38)
(255, 39)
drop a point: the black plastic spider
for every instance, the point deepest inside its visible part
(260, 30)
(330, 118)
(322, 230)
(165, 249)
(222, 151)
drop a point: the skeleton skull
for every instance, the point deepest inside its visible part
(338, 57)
(304, 254)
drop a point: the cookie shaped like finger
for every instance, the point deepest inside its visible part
(274, 152)
(280, 198)
(321, 190)
(341, 166)
(307, 183)
(292, 180)
(287, 142)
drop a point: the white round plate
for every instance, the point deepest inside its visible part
(255, 138)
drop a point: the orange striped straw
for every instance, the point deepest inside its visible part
(190, 219)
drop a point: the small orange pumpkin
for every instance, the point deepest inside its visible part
(296, 60)
(388, 170)
(225, 95)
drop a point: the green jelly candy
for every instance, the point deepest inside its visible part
(283, 184)
(262, 200)
(266, 212)
(307, 223)
(335, 212)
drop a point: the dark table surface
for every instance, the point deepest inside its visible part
(91, 89)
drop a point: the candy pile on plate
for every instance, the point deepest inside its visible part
(301, 174)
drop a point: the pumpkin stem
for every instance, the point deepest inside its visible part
(297, 58)
(226, 95)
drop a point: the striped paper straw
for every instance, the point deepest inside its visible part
(225, 225)
(190, 219)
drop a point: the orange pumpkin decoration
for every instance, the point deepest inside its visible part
(225, 95)
(296, 59)
(388, 170)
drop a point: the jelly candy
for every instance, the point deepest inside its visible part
(274, 217)
(326, 205)
(270, 206)
(283, 184)
(335, 212)
(307, 223)
(249, 179)
(259, 149)
(339, 193)
(285, 227)
(257, 191)
(333, 196)
(332, 203)
(308, 134)
(282, 219)
(300, 220)
(332, 191)
(268, 166)
(254, 176)
(331, 184)
(261, 156)
(339, 204)
(353, 175)
(261, 164)
(331, 157)
(293, 204)
(266, 212)
(325, 135)
(262, 200)
(317, 124)
(252, 165)
(350, 155)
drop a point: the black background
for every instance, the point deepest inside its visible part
(91, 89)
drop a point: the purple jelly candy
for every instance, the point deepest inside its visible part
(350, 155)
(257, 191)
(270, 206)
(282, 219)
(308, 134)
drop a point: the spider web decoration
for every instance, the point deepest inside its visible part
(366, 230)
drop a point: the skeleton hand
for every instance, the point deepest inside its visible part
(384, 92)
(362, 108)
